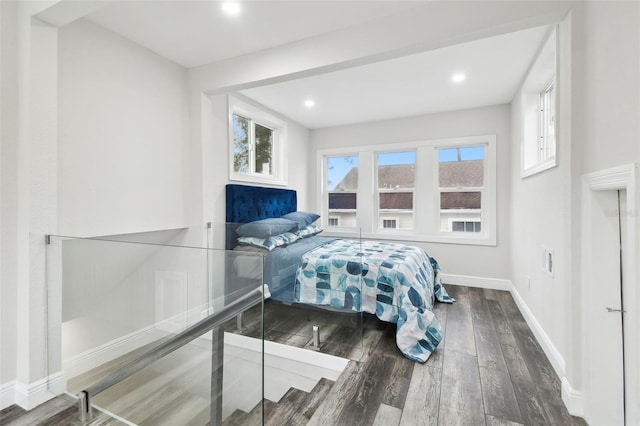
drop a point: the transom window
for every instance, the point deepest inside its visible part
(256, 140)
(440, 191)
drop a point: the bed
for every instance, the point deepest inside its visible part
(395, 282)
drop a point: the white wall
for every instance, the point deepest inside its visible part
(8, 128)
(29, 94)
(610, 100)
(123, 132)
(455, 259)
(540, 214)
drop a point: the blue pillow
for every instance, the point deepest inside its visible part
(302, 218)
(266, 228)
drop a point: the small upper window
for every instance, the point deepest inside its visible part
(538, 103)
(256, 144)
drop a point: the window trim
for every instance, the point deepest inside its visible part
(264, 118)
(427, 228)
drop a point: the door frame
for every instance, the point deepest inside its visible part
(613, 179)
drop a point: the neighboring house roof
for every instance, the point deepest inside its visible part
(349, 182)
(453, 174)
(462, 173)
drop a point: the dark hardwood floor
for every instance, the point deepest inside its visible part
(488, 370)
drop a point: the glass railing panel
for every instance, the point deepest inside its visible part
(186, 386)
(320, 311)
(312, 325)
(111, 300)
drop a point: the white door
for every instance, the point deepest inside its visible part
(603, 317)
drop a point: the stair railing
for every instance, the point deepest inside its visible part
(211, 322)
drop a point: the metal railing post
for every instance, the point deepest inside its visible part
(84, 406)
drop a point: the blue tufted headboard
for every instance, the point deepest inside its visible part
(248, 203)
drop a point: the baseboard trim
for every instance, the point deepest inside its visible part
(480, 282)
(95, 357)
(573, 400)
(7, 394)
(556, 359)
(30, 395)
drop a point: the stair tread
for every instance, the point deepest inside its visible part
(313, 401)
(295, 408)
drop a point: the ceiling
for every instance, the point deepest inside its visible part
(412, 85)
(195, 33)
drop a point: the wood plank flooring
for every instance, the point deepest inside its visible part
(489, 370)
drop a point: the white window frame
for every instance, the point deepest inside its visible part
(426, 192)
(266, 119)
(538, 151)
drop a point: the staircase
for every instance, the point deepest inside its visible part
(295, 408)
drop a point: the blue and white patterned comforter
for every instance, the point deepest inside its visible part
(395, 282)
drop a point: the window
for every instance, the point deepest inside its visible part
(256, 141)
(395, 187)
(438, 191)
(547, 132)
(465, 226)
(389, 223)
(538, 112)
(341, 188)
(460, 185)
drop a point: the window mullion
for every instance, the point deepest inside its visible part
(366, 192)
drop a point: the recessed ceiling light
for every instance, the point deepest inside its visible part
(458, 77)
(231, 8)
(309, 103)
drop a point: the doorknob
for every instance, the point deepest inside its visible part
(615, 310)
